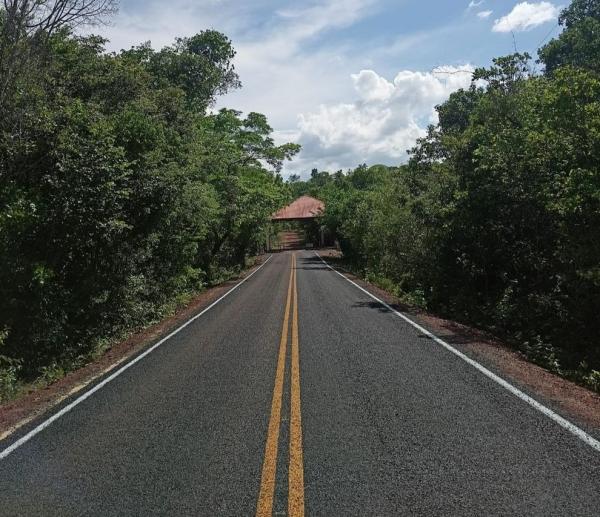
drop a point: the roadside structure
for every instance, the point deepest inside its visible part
(305, 209)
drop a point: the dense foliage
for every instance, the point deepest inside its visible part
(495, 220)
(120, 193)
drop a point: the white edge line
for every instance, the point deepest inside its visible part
(563, 422)
(89, 393)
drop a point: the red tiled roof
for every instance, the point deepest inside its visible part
(304, 207)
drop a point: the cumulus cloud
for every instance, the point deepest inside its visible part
(526, 16)
(484, 14)
(384, 121)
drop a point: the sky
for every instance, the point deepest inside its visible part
(352, 81)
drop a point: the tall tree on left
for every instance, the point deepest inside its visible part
(26, 25)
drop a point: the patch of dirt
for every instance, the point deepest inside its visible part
(34, 402)
(330, 253)
(581, 404)
(562, 394)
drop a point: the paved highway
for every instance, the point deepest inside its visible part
(299, 394)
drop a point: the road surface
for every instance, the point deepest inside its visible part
(298, 393)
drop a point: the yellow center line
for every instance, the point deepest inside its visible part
(267, 484)
(296, 463)
(296, 466)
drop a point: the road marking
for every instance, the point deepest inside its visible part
(563, 422)
(296, 466)
(264, 506)
(79, 400)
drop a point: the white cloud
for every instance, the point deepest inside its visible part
(525, 16)
(282, 70)
(283, 66)
(381, 124)
(484, 14)
(251, 22)
(473, 4)
(294, 28)
(371, 86)
(295, 69)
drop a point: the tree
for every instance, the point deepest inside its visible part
(201, 66)
(578, 11)
(579, 44)
(231, 160)
(26, 25)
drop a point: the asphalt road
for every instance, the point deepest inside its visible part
(299, 393)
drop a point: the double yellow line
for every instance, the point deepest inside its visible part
(296, 462)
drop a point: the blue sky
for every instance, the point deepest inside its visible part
(353, 81)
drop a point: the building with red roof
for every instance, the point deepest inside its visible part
(305, 207)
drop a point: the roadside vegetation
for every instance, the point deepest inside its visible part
(495, 220)
(121, 192)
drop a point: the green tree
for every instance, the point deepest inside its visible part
(231, 160)
(579, 44)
